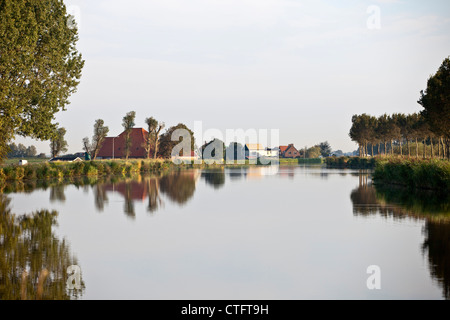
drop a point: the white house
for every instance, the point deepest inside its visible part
(256, 150)
(275, 152)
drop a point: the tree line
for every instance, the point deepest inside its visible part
(396, 133)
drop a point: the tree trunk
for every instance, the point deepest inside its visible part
(409, 148)
(385, 147)
(432, 151)
(401, 148)
(156, 150)
(448, 149)
(392, 147)
(444, 153)
(439, 147)
(372, 148)
(424, 149)
(417, 149)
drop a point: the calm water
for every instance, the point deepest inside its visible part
(299, 233)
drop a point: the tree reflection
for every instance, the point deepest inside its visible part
(57, 193)
(33, 261)
(437, 244)
(179, 186)
(214, 178)
(154, 198)
(401, 203)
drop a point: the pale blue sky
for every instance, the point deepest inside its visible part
(304, 67)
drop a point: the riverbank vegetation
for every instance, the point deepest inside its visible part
(98, 168)
(60, 170)
(351, 162)
(430, 174)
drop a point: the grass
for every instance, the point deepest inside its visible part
(432, 174)
(15, 161)
(60, 170)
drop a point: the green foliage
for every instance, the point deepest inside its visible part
(166, 144)
(431, 126)
(100, 133)
(426, 174)
(325, 149)
(313, 152)
(154, 130)
(286, 161)
(351, 162)
(20, 151)
(436, 101)
(58, 144)
(39, 67)
(128, 124)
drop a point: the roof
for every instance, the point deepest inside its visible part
(283, 148)
(69, 157)
(254, 146)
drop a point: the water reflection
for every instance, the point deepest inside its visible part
(178, 187)
(214, 177)
(57, 193)
(400, 203)
(33, 261)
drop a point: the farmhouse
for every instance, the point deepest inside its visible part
(114, 147)
(289, 151)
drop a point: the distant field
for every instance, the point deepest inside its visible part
(13, 161)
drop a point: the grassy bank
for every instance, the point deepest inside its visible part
(60, 170)
(430, 174)
(351, 162)
(283, 161)
(15, 161)
(43, 170)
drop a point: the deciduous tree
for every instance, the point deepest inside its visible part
(40, 67)
(128, 124)
(58, 144)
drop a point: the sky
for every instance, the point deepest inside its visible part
(300, 67)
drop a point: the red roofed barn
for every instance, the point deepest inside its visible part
(114, 147)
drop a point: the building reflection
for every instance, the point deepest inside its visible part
(399, 203)
(34, 261)
(177, 187)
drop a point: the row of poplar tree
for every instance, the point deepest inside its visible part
(425, 134)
